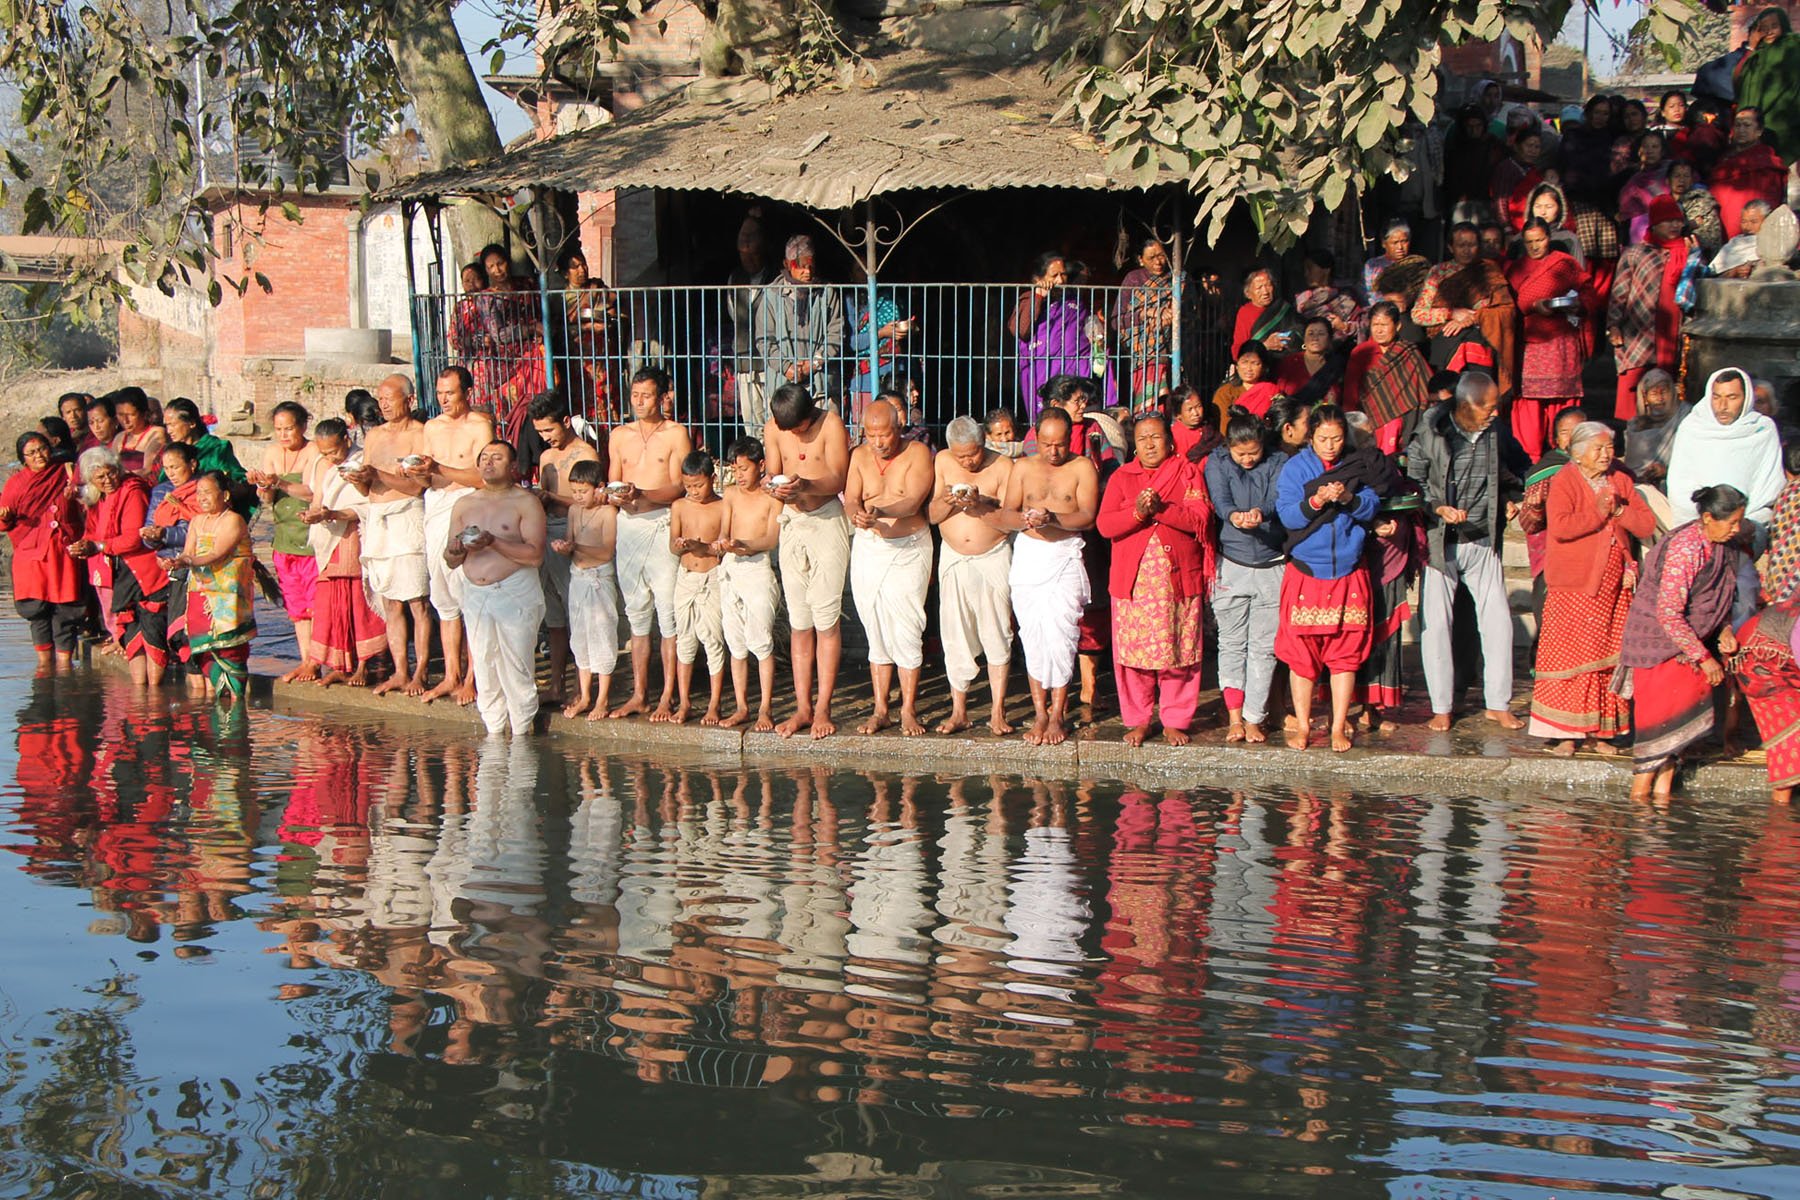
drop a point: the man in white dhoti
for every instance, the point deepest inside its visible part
(447, 469)
(593, 589)
(393, 531)
(644, 470)
(499, 547)
(1051, 497)
(974, 562)
(885, 492)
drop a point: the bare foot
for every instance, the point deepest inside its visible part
(664, 714)
(1562, 749)
(465, 694)
(764, 723)
(359, 678)
(910, 725)
(823, 726)
(1035, 735)
(1341, 739)
(955, 723)
(1236, 732)
(1253, 734)
(1439, 723)
(740, 717)
(599, 713)
(1176, 737)
(416, 685)
(1295, 738)
(331, 677)
(630, 708)
(1054, 734)
(304, 673)
(1606, 749)
(998, 724)
(576, 707)
(446, 688)
(1366, 720)
(1503, 718)
(1136, 734)
(794, 724)
(876, 723)
(678, 717)
(711, 717)
(392, 683)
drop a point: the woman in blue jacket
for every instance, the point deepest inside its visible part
(1324, 500)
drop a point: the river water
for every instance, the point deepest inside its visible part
(271, 956)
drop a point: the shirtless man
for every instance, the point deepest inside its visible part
(694, 524)
(974, 599)
(748, 590)
(393, 531)
(645, 456)
(452, 440)
(885, 492)
(563, 448)
(1052, 498)
(808, 449)
(498, 544)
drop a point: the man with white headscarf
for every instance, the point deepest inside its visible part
(1725, 440)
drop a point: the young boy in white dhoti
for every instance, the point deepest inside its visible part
(593, 590)
(748, 589)
(694, 523)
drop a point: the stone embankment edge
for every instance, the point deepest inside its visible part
(1152, 765)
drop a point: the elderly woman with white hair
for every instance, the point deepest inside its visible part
(138, 615)
(1592, 514)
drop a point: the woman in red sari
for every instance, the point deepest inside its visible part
(1592, 513)
(1766, 671)
(40, 515)
(1642, 319)
(1680, 612)
(1154, 512)
(1387, 378)
(1555, 346)
(139, 614)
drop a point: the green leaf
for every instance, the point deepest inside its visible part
(291, 211)
(1373, 125)
(214, 293)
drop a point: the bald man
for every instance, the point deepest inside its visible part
(393, 530)
(885, 492)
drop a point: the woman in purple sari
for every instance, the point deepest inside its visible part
(1058, 335)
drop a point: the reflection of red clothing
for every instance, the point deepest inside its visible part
(1753, 173)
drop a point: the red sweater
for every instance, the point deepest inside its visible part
(1581, 539)
(1753, 173)
(1178, 526)
(117, 525)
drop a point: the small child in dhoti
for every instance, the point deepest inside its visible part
(593, 589)
(694, 523)
(748, 589)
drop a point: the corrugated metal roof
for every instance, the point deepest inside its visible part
(927, 123)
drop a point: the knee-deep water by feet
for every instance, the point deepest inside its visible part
(258, 955)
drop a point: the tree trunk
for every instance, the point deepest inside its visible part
(453, 116)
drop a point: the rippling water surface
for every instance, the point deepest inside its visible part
(288, 957)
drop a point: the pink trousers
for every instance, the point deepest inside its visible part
(1176, 692)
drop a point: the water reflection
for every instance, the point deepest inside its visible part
(524, 969)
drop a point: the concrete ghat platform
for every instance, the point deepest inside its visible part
(1475, 757)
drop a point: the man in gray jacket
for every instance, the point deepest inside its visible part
(800, 325)
(1470, 474)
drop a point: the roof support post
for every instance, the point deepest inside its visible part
(870, 265)
(1177, 254)
(540, 205)
(420, 329)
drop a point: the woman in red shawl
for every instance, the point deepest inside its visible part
(39, 512)
(1155, 512)
(1642, 319)
(140, 584)
(1264, 317)
(1387, 378)
(1550, 374)
(1254, 387)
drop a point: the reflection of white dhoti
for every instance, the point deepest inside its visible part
(502, 620)
(554, 573)
(1049, 590)
(393, 548)
(594, 618)
(888, 580)
(747, 595)
(646, 571)
(697, 621)
(445, 581)
(974, 609)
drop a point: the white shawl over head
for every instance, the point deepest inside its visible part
(1745, 454)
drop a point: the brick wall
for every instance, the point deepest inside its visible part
(307, 265)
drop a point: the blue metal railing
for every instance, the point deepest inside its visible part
(951, 348)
